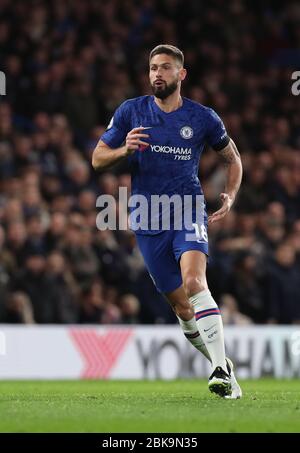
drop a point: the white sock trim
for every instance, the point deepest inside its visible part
(210, 326)
(188, 326)
(196, 298)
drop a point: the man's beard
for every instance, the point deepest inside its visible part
(165, 90)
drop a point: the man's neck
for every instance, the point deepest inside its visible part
(170, 104)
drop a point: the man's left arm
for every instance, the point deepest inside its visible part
(232, 162)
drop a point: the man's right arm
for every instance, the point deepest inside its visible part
(105, 157)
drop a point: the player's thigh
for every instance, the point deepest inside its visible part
(191, 254)
(193, 265)
(160, 261)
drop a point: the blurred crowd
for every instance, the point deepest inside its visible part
(68, 65)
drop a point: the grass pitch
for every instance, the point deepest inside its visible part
(144, 406)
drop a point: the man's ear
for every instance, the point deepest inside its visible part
(182, 73)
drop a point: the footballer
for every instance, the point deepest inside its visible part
(163, 136)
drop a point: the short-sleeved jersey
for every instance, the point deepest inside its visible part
(169, 165)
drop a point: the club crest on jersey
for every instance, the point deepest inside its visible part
(186, 132)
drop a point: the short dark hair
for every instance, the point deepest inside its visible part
(169, 50)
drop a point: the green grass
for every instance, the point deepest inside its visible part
(144, 406)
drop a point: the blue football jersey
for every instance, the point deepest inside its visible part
(169, 165)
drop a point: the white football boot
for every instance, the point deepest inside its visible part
(236, 391)
(220, 382)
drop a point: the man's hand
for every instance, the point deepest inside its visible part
(133, 140)
(227, 203)
(104, 158)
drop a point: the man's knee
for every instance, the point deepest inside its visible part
(184, 311)
(182, 307)
(193, 284)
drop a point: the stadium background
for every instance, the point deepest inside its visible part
(76, 303)
(68, 65)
